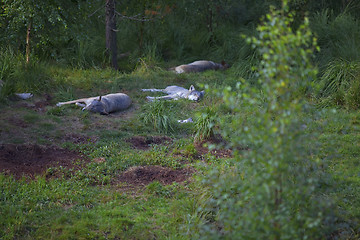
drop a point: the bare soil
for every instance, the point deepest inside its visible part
(202, 149)
(31, 160)
(38, 105)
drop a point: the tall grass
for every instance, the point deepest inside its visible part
(338, 37)
(8, 60)
(150, 58)
(340, 82)
(205, 123)
(19, 76)
(158, 115)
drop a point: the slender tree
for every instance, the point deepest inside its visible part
(110, 19)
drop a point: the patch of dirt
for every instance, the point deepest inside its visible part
(78, 139)
(141, 142)
(31, 160)
(143, 175)
(202, 148)
(17, 122)
(39, 105)
(125, 114)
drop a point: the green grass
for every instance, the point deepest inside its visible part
(59, 209)
(341, 141)
(88, 203)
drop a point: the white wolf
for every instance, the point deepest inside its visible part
(175, 92)
(102, 104)
(200, 66)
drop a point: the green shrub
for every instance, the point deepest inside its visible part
(269, 190)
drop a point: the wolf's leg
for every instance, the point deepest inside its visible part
(150, 98)
(84, 100)
(167, 97)
(152, 90)
(80, 104)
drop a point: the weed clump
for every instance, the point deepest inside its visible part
(157, 114)
(205, 124)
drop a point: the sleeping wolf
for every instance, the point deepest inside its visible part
(175, 92)
(200, 66)
(102, 104)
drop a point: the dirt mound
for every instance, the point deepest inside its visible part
(141, 142)
(31, 160)
(144, 175)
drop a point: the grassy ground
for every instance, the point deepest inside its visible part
(89, 198)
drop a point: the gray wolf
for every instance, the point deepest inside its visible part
(102, 104)
(175, 92)
(200, 66)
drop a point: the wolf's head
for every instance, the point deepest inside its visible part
(96, 106)
(195, 95)
(224, 65)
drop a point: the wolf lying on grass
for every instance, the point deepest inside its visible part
(103, 104)
(175, 92)
(200, 66)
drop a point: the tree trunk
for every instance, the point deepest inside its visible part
(28, 41)
(111, 45)
(142, 23)
(209, 21)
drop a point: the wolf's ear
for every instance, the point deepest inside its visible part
(99, 98)
(192, 88)
(202, 93)
(223, 63)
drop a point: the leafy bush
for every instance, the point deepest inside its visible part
(268, 192)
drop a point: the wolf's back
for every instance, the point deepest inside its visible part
(116, 102)
(198, 66)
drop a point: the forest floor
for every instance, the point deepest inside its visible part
(71, 174)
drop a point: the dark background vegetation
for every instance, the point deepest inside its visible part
(73, 32)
